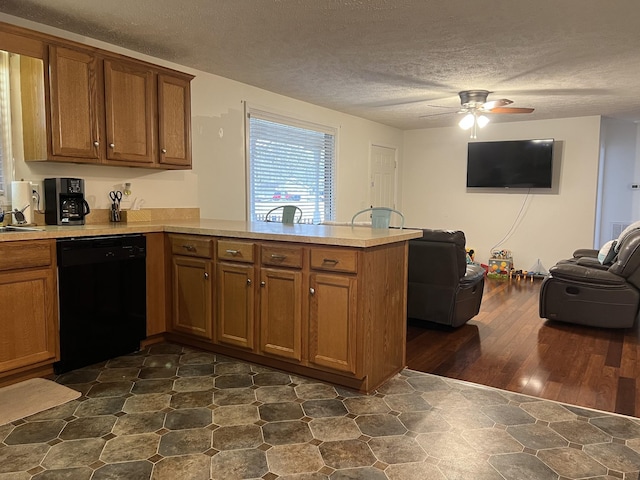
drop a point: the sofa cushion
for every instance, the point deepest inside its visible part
(607, 253)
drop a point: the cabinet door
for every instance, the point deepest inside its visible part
(76, 110)
(332, 321)
(130, 95)
(192, 296)
(281, 313)
(174, 120)
(235, 319)
(29, 318)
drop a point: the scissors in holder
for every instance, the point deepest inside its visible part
(116, 197)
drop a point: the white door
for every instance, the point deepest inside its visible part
(383, 176)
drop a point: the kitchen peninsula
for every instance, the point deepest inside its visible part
(326, 301)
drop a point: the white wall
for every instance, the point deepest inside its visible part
(217, 183)
(619, 139)
(221, 168)
(553, 224)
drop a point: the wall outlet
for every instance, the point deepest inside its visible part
(35, 189)
(36, 196)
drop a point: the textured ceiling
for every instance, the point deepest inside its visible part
(386, 60)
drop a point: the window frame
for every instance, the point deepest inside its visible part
(6, 160)
(290, 121)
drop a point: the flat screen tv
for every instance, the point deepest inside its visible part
(510, 164)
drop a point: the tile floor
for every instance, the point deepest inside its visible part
(171, 412)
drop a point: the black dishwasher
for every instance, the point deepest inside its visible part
(102, 294)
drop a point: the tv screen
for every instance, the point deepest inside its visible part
(510, 164)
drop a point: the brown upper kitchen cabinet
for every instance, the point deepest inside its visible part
(174, 120)
(76, 105)
(129, 93)
(114, 111)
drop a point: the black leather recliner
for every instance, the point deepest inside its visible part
(442, 287)
(589, 293)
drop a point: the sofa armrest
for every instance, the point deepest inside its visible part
(591, 263)
(582, 274)
(585, 252)
(473, 274)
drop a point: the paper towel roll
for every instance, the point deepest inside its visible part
(21, 197)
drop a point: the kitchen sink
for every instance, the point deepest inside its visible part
(18, 228)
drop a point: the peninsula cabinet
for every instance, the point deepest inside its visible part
(281, 301)
(235, 274)
(192, 285)
(115, 111)
(332, 312)
(29, 307)
(273, 326)
(333, 324)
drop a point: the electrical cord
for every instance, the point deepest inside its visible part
(36, 196)
(512, 229)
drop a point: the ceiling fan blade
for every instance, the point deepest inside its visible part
(496, 103)
(442, 106)
(510, 110)
(437, 114)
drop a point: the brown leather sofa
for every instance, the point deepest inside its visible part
(442, 287)
(588, 293)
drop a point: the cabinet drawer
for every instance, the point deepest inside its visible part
(192, 246)
(235, 250)
(28, 254)
(335, 260)
(281, 256)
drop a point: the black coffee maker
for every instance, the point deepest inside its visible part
(64, 202)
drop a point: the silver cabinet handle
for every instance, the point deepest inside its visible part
(164, 150)
(189, 248)
(312, 291)
(112, 145)
(276, 256)
(233, 252)
(262, 284)
(206, 276)
(96, 143)
(248, 281)
(332, 261)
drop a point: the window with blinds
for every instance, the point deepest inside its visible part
(290, 163)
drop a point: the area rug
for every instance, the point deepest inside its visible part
(32, 396)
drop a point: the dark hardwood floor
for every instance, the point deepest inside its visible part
(508, 346)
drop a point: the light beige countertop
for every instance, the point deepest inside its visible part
(342, 235)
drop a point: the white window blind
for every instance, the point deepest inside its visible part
(290, 163)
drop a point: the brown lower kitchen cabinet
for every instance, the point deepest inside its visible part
(235, 275)
(28, 307)
(192, 285)
(330, 312)
(333, 324)
(281, 301)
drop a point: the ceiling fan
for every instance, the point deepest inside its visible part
(474, 103)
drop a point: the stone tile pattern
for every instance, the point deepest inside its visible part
(173, 412)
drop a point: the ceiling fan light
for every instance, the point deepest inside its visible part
(482, 121)
(467, 121)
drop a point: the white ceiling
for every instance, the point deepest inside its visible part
(386, 60)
